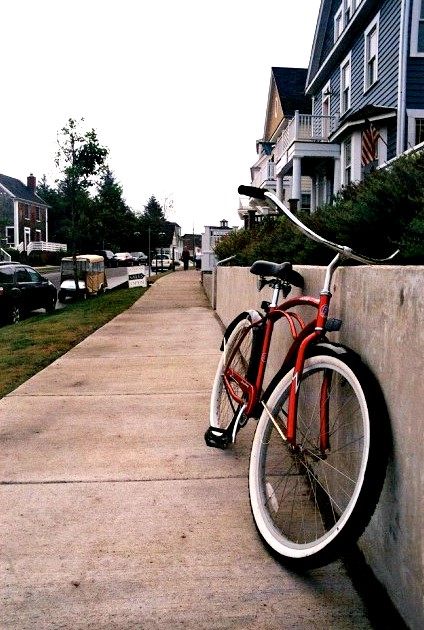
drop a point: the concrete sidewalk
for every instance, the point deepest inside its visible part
(115, 515)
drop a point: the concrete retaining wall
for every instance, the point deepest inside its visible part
(382, 310)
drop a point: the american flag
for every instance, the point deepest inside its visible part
(370, 137)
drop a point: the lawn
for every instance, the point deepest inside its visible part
(32, 344)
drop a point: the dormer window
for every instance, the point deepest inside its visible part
(344, 15)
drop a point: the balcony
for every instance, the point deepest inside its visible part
(263, 174)
(306, 135)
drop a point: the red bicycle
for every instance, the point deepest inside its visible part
(319, 453)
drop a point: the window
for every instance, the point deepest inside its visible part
(305, 201)
(10, 235)
(34, 276)
(417, 29)
(421, 29)
(338, 24)
(37, 213)
(6, 275)
(344, 15)
(415, 126)
(347, 11)
(371, 54)
(345, 86)
(22, 275)
(326, 92)
(347, 159)
(419, 130)
(26, 211)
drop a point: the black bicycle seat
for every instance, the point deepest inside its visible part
(283, 271)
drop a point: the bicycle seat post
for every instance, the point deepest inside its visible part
(276, 288)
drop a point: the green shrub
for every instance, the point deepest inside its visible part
(374, 217)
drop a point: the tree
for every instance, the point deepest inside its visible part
(81, 159)
(113, 218)
(153, 223)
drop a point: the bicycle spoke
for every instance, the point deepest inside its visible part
(301, 496)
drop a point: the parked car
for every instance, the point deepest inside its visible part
(22, 290)
(124, 259)
(140, 258)
(108, 256)
(162, 262)
(91, 276)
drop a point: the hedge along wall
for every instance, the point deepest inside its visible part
(382, 309)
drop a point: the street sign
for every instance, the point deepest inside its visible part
(137, 277)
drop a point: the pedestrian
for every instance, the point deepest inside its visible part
(198, 258)
(185, 257)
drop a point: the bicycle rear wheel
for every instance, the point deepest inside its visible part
(238, 352)
(309, 505)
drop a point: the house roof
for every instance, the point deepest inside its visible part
(290, 83)
(287, 88)
(18, 190)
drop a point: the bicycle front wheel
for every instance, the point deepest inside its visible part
(308, 503)
(239, 349)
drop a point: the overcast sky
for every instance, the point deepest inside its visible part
(176, 89)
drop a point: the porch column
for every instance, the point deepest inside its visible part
(296, 178)
(251, 219)
(280, 188)
(16, 223)
(356, 173)
(337, 176)
(314, 194)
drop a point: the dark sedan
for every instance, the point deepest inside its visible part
(139, 258)
(22, 290)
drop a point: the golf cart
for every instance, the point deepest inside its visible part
(90, 272)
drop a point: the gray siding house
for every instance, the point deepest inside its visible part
(365, 81)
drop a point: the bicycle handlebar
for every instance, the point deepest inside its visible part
(264, 194)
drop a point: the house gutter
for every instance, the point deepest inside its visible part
(403, 56)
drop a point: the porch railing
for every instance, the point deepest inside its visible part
(306, 128)
(4, 256)
(264, 174)
(42, 246)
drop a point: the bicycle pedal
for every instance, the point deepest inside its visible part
(218, 438)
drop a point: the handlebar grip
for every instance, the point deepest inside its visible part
(252, 191)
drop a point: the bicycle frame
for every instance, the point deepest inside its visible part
(302, 339)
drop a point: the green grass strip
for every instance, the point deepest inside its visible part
(32, 344)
